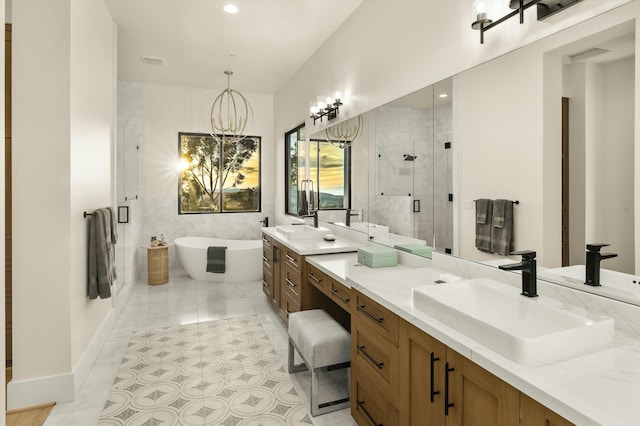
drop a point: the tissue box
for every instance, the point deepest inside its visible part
(419, 249)
(377, 256)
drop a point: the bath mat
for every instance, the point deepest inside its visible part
(222, 372)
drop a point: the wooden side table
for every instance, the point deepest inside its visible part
(158, 264)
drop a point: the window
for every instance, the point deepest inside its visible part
(318, 174)
(218, 177)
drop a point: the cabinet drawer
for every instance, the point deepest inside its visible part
(267, 259)
(292, 258)
(376, 357)
(292, 283)
(267, 283)
(317, 278)
(368, 407)
(380, 318)
(267, 242)
(340, 294)
(290, 306)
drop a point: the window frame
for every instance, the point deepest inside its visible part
(221, 159)
(347, 164)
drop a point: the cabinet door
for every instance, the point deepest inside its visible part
(421, 377)
(533, 413)
(477, 397)
(369, 407)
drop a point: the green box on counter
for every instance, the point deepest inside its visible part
(377, 256)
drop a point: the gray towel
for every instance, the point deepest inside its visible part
(216, 259)
(483, 207)
(101, 256)
(303, 204)
(502, 227)
(483, 229)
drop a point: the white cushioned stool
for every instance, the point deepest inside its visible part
(324, 345)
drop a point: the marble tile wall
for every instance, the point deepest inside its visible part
(129, 181)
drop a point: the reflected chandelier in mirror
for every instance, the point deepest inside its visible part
(344, 134)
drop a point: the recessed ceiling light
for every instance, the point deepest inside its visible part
(443, 95)
(230, 8)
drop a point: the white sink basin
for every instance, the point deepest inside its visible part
(612, 283)
(527, 331)
(302, 232)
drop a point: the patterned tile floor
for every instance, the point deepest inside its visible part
(211, 395)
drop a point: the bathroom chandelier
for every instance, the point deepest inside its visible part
(344, 134)
(545, 8)
(230, 114)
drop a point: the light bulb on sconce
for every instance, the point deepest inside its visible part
(480, 12)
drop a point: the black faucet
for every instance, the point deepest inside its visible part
(593, 263)
(528, 268)
(314, 215)
(348, 216)
(265, 221)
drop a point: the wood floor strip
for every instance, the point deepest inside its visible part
(34, 416)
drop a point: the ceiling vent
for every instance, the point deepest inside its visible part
(153, 60)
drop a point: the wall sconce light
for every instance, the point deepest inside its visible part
(545, 9)
(326, 107)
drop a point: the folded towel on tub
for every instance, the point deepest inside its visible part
(216, 259)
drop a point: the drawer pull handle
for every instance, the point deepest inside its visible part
(433, 393)
(310, 275)
(265, 259)
(291, 259)
(365, 353)
(362, 309)
(264, 240)
(289, 283)
(264, 283)
(336, 294)
(369, 416)
(447, 404)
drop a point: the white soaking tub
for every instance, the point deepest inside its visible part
(243, 259)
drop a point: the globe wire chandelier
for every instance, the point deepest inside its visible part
(230, 114)
(344, 134)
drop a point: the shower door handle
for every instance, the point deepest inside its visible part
(416, 206)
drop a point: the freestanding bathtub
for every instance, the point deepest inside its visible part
(243, 259)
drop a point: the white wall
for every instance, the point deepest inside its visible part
(169, 110)
(62, 108)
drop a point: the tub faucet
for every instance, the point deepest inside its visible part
(593, 263)
(265, 222)
(349, 213)
(314, 215)
(528, 268)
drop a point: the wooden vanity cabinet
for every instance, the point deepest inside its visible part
(270, 270)
(532, 413)
(475, 396)
(375, 367)
(282, 271)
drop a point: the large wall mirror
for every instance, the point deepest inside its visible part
(402, 172)
(424, 149)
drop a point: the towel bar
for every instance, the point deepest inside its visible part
(85, 214)
(514, 202)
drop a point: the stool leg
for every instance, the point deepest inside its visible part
(293, 368)
(318, 408)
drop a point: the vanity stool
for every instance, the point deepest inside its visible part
(324, 345)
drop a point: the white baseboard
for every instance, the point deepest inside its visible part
(64, 387)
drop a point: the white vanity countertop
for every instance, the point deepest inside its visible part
(596, 388)
(315, 246)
